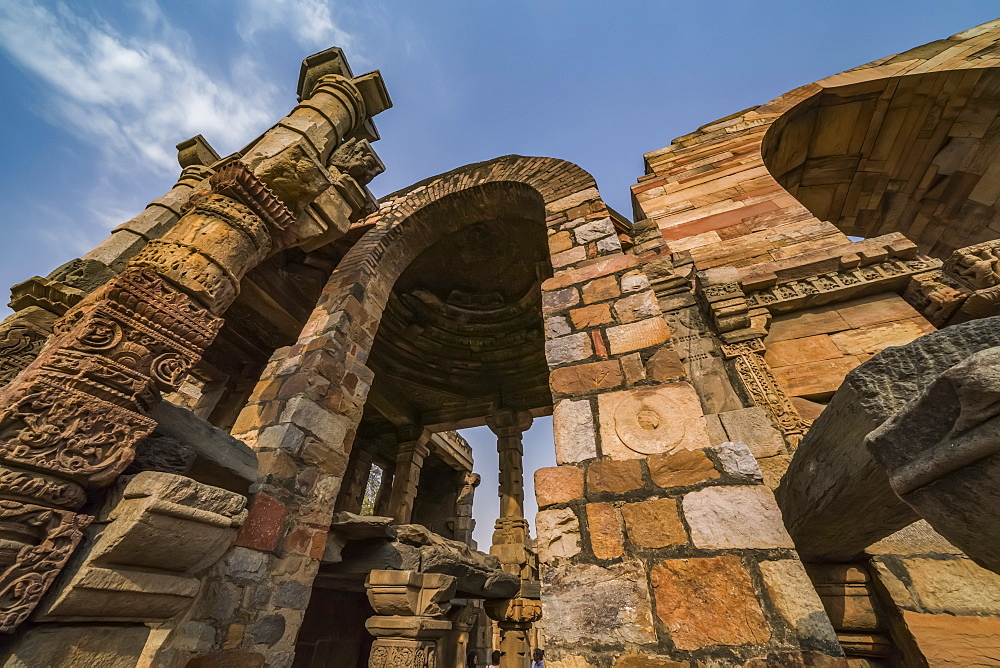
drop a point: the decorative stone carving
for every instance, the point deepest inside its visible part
(134, 573)
(651, 420)
(356, 158)
(514, 617)
(410, 617)
(978, 265)
(762, 388)
(936, 295)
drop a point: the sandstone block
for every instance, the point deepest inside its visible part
(567, 257)
(633, 368)
(600, 289)
(558, 484)
(637, 335)
(753, 427)
(655, 523)
(651, 420)
(875, 338)
(708, 602)
(558, 534)
(795, 599)
(646, 661)
(815, 380)
(801, 324)
(634, 281)
(681, 468)
(605, 525)
(955, 641)
(566, 349)
(583, 378)
(871, 310)
(636, 307)
(735, 517)
(591, 316)
(664, 366)
(560, 241)
(78, 647)
(559, 300)
(556, 326)
(263, 524)
(800, 351)
(954, 586)
(573, 431)
(616, 477)
(593, 230)
(599, 605)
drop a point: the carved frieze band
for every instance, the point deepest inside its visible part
(234, 180)
(762, 387)
(832, 282)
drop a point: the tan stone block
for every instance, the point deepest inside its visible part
(560, 241)
(591, 316)
(773, 468)
(651, 420)
(917, 539)
(954, 586)
(708, 602)
(816, 380)
(636, 307)
(617, 477)
(567, 257)
(655, 523)
(599, 605)
(570, 661)
(795, 599)
(583, 378)
(801, 324)
(801, 351)
(953, 641)
(665, 365)
(558, 484)
(633, 368)
(875, 338)
(565, 349)
(558, 534)
(605, 526)
(684, 467)
(600, 289)
(809, 410)
(753, 427)
(647, 661)
(573, 431)
(735, 517)
(637, 335)
(871, 310)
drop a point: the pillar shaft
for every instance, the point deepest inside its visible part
(409, 461)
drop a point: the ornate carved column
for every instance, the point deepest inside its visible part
(410, 617)
(72, 419)
(762, 387)
(406, 478)
(464, 524)
(514, 617)
(510, 535)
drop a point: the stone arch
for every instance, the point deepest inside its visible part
(906, 144)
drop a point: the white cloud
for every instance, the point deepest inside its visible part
(310, 22)
(134, 96)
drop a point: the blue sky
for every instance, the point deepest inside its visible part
(97, 94)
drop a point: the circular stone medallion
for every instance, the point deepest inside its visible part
(651, 423)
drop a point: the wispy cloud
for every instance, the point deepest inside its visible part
(309, 22)
(134, 96)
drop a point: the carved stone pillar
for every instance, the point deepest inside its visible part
(78, 409)
(514, 617)
(410, 617)
(762, 387)
(461, 625)
(464, 524)
(510, 534)
(409, 461)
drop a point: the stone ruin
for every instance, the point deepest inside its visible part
(227, 434)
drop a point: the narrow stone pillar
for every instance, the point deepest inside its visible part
(409, 461)
(511, 531)
(464, 524)
(514, 617)
(409, 617)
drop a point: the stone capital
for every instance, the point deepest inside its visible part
(506, 424)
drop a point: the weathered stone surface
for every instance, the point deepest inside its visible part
(681, 468)
(753, 427)
(637, 335)
(558, 484)
(646, 661)
(605, 526)
(836, 498)
(613, 476)
(876, 338)
(590, 316)
(954, 586)
(805, 323)
(955, 641)
(573, 431)
(664, 366)
(583, 378)
(600, 289)
(565, 349)
(795, 598)
(652, 420)
(558, 534)
(800, 351)
(654, 523)
(815, 380)
(735, 517)
(598, 605)
(737, 460)
(636, 307)
(77, 647)
(708, 602)
(918, 538)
